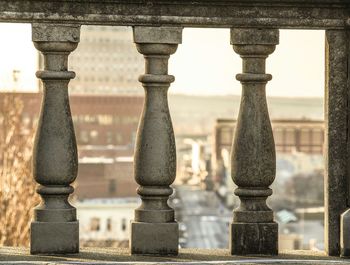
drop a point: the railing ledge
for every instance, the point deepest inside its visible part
(307, 14)
(94, 256)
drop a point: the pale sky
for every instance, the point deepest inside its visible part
(204, 63)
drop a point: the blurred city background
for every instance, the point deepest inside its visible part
(106, 102)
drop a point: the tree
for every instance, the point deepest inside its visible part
(17, 189)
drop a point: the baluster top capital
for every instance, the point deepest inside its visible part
(254, 36)
(45, 32)
(160, 35)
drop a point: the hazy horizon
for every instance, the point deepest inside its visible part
(176, 94)
(204, 64)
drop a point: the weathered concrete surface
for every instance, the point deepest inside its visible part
(248, 238)
(186, 256)
(202, 13)
(336, 127)
(154, 230)
(154, 238)
(253, 157)
(54, 237)
(55, 228)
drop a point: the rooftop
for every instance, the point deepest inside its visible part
(108, 201)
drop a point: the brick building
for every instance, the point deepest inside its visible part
(99, 120)
(105, 128)
(305, 136)
(105, 178)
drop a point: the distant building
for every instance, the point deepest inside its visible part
(304, 136)
(102, 122)
(195, 115)
(103, 220)
(101, 177)
(105, 128)
(105, 62)
(299, 144)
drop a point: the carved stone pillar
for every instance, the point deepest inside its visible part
(55, 228)
(253, 230)
(154, 230)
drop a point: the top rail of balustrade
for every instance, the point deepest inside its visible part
(299, 14)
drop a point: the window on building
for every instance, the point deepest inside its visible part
(118, 138)
(226, 135)
(94, 134)
(278, 136)
(84, 136)
(112, 187)
(130, 120)
(90, 119)
(317, 137)
(95, 224)
(123, 224)
(105, 119)
(109, 137)
(305, 136)
(290, 137)
(109, 224)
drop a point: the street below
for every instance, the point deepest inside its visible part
(203, 219)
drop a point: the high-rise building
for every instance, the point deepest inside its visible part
(106, 62)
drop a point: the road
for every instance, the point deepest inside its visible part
(203, 218)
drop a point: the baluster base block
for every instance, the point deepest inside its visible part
(154, 238)
(254, 238)
(54, 238)
(345, 234)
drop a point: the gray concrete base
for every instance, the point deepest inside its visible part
(345, 234)
(54, 238)
(154, 238)
(254, 238)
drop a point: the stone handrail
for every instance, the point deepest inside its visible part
(307, 14)
(157, 26)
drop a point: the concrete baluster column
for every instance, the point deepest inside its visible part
(154, 230)
(253, 230)
(55, 228)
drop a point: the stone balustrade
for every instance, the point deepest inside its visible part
(253, 158)
(157, 29)
(55, 228)
(155, 230)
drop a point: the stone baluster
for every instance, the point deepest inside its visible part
(253, 230)
(154, 229)
(55, 228)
